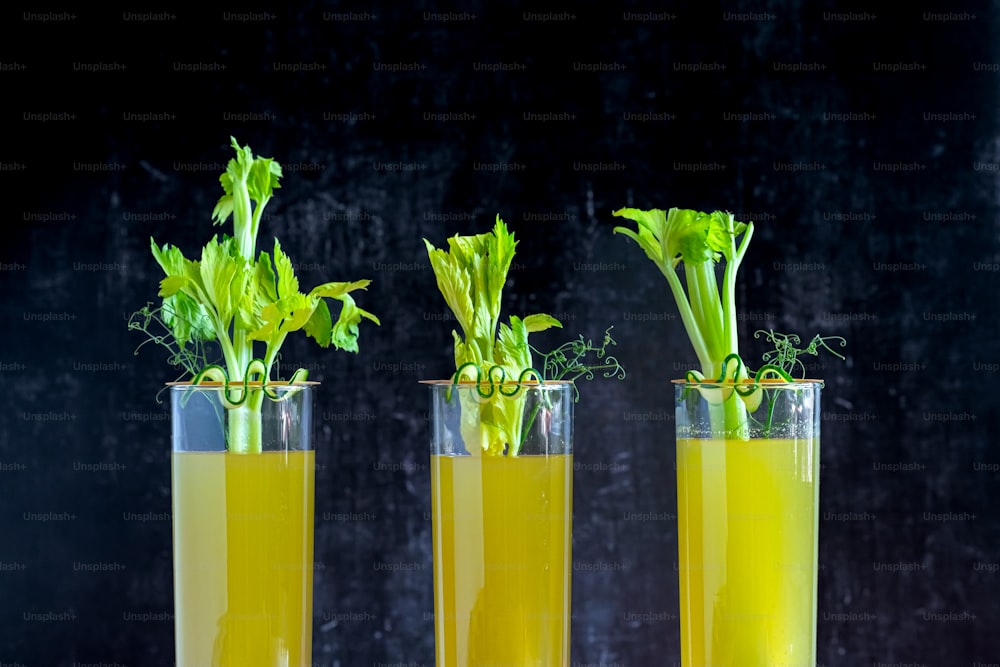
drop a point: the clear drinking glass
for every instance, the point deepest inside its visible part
(502, 523)
(242, 493)
(747, 508)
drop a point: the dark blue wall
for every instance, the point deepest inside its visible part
(864, 142)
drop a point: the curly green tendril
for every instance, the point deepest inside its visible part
(785, 354)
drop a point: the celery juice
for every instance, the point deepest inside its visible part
(747, 542)
(243, 558)
(502, 551)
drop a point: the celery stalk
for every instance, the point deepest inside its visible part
(701, 241)
(470, 275)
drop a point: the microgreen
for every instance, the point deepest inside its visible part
(570, 362)
(158, 324)
(785, 355)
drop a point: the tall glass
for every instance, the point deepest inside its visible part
(747, 509)
(242, 527)
(502, 523)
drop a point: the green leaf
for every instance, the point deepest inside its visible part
(718, 237)
(296, 309)
(512, 351)
(468, 353)
(260, 292)
(283, 308)
(182, 311)
(284, 316)
(344, 334)
(500, 248)
(288, 284)
(231, 179)
(171, 285)
(454, 283)
(264, 278)
(263, 179)
(171, 259)
(259, 177)
(223, 209)
(188, 319)
(319, 327)
(688, 234)
(541, 322)
(224, 277)
(335, 290)
(650, 233)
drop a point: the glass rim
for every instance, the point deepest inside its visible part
(212, 384)
(799, 383)
(506, 383)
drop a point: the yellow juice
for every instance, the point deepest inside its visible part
(502, 552)
(747, 533)
(243, 558)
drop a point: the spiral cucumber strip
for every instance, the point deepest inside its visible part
(496, 379)
(735, 377)
(235, 394)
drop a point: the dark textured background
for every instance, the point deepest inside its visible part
(863, 141)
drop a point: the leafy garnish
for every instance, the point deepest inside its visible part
(236, 297)
(496, 356)
(702, 241)
(471, 275)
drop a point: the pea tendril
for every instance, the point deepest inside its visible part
(568, 361)
(785, 356)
